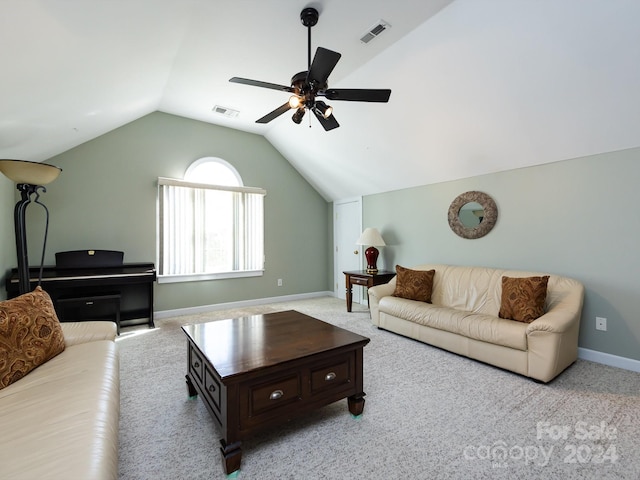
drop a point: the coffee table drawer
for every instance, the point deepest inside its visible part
(196, 365)
(334, 375)
(277, 394)
(212, 388)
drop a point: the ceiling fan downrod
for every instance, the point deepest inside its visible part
(309, 18)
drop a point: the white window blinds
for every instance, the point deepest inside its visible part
(208, 229)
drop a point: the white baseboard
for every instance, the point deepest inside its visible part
(242, 303)
(608, 359)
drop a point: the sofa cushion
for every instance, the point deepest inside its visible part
(486, 328)
(61, 420)
(414, 284)
(30, 335)
(523, 299)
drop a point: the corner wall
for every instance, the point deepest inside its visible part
(106, 196)
(576, 218)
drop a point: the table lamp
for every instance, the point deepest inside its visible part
(371, 237)
(30, 178)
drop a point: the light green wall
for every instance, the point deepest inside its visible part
(105, 198)
(574, 218)
(7, 237)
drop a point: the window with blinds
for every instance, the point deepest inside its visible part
(209, 231)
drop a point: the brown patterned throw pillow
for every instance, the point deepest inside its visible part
(30, 335)
(523, 298)
(414, 284)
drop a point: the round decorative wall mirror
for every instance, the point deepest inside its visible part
(472, 214)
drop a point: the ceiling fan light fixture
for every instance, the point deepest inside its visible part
(295, 101)
(297, 116)
(324, 109)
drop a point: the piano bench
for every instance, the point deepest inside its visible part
(96, 307)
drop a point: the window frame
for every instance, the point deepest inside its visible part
(189, 277)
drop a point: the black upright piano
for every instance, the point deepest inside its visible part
(95, 285)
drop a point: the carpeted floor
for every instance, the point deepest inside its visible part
(429, 414)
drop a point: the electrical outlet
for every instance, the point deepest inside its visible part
(601, 324)
(279, 282)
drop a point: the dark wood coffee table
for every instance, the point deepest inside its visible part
(256, 371)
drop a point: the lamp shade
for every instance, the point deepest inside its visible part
(32, 173)
(371, 236)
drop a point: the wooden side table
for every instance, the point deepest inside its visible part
(361, 277)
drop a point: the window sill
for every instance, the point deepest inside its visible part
(198, 277)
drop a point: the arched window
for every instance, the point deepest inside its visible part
(209, 224)
(215, 171)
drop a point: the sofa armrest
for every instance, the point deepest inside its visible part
(563, 316)
(552, 339)
(375, 294)
(384, 290)
(90, 331)
(553, 322)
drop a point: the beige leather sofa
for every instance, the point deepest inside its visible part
(463, 318)
(61, 420)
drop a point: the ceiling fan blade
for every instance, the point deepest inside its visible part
(258, 83)
(274, 114)
(323, 64)
(357, 94)
(327, 123)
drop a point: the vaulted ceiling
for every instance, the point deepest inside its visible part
(478, 86)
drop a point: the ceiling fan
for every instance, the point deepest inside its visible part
(312, 83)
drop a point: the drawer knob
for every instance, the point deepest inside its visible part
(276, 394)
(212, 388)
(196, 364)
(330, 376)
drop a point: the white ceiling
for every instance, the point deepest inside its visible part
(478, 86)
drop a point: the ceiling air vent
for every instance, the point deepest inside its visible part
(227, 112)
(374, 31)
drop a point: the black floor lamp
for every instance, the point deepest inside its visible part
(30, 178)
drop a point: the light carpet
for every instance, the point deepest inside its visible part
(429, 414)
